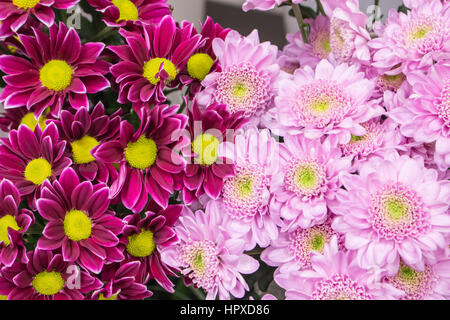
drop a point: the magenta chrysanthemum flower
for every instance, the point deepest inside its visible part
(151, 61)
(15, 13)
(46, 276)
(307, 180)
(29, 158)
(14, 222)
(393, 209)
(149, 161)
(60, 67)
(144, 239)
(83, 131)
(11, 119)
(123, 13)
(263, 4)
(425, 115)
(328, 101)
(413, 41)
(205, 170)
(209, 256)
(80, 222)
(334, 275)
(249, 70)
(119, 283)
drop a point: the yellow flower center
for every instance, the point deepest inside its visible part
(245, 187)
(56, 75)
(7, 221)
(38, 170)
(151, 68)
(25, 4)
(396, 209)
(77, 225)
(205, 146)
(30, 121)
(239, 90)
(420, 33)
(320, 106)
(127, 9)
(2, 297)
(102, 297)
(48, 283)
(199, 65)
(81, 149)
(141, 244)
(306, 178)
(142, 153)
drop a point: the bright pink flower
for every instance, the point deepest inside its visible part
(210, 257)
(11, 119)
(393, 209)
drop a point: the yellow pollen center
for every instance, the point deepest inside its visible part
(25, 4)
(197, 263)
(317, 242)
(141, 244)
(199, 65)
(245, 187)
(30, 121)
(81, 149)
(320, 106)
(2, 297)
(127, 9)
(151, 68)
(38, 170)
(326, 45)
(239, 90)
(420, 33)
(7, 221)
(306, 178)
(77, 225)
(205, 146)
(102, 297)
(395, 209)
(142, 153)
(56, 75)
(48, 283)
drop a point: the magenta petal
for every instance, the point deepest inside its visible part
(50, 209)
(160, 196)
(48, 244)
(212, 184)
(45, 14)
(80, 194)
(8, 255)
(54, 230)
(21, 294)
(104, 236)
(70, 250)
(111, 152)
(23, 279)
(90, 261)
(132, 188)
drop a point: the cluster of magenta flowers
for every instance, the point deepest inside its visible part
(151, 159)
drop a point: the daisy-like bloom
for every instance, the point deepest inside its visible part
(119, 283)
(307, 180)
(83, 131)
(263, 5)
(205, 171)
(334, 275)
(144, 239)
(79, 222)
(148, 159)
(249, 71)
(210, 257)
(152, 60)
(46, 276)
(413, 41)
(29, 158)
(425, 116)
(15, 13)
(292, 251)
(11, 119)
(123, 13)
(59, 67)
(432, 283)
(204, 60)
(332, 100)
(393, 209)
(14, 222)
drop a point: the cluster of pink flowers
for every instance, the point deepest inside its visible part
(323, 165)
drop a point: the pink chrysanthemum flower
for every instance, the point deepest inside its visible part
(249, 71)
(46, 276)
(307, 180)
(125, 13)
(425, 115)
(148, 158)
(393, 209)
(263, 5)
(334, 275)
(246, 195)
(29, 158)
(332, 100)
(205, 170)
(413, 41)
(209, 256)
(152, 60)
(80, 222)
(14, 222)
(144, 239)
(60, 67)
(83, 131)
(15, 13)
(11, 119)
(119, 283)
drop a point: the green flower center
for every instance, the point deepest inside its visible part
(396, 209)
(306, 178)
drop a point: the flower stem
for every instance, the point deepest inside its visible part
(377, 3)
(301, 23)
(102, 34)
(320, 8)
